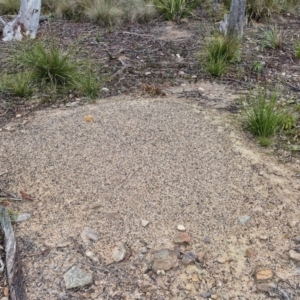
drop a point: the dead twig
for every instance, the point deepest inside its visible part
(44, 252)
(138, 34)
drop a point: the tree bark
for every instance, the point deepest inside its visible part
(26, 23)
(237, 18)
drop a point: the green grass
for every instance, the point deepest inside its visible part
(48, 62)
(263, 117)
(257, 67)
(219, 53)
(19, 84)
(9, 7)
(104, 12)
(273, 38)
(174, 10)
(140, 11)
(261, 9)
(297, 49)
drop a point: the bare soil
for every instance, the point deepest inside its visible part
(178, 159)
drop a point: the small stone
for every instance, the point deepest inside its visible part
(201, 89)
(207, 240)
(164, 259)
(181, 73)
(119, 252)
(293, 223)
(195, 278)
(294, 255)
(244, 219)
(18, 116)
(89, 234)
(223, 259)
(263, 287)
(271, 247)
(250, 253)
(297, 239)
(92, 256)
(75, 277)
(22, 217)
(181, 228)
(188, 258)
(182, 238)
(145, 223)
(104, 89)
(194, 76)
(200, 257)
(148, 73)
(72, 104)
(263, 237)
(214, 296)
(264, 274)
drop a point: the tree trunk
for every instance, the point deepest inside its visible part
(237, 18)
(26, 23)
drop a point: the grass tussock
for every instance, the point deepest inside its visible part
(219, 53)
(297, 49)
(174, 10)
(9, 7)
(264, 117)
(273, 38)
(45, 67)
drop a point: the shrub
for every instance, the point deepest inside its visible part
(9, 7)
(263, 116)
(174, 10)
(273, 38)
(104, 12)
(19, 84)
(219, 52)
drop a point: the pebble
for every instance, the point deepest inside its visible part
(89, 234)
(148, 73)
(22, 217)
(297, 239)
(201, 89)
(200, 257)
(92, 256)
(271, 247)
(145, 223)
(250, 252)
(264, 274)
(223, 259)
(182, 238)
(105, 89)
(188, 258)
(4, 298)
(181, 228)
(244, 219)
(263, 287)
(75, 277)
(293, 223)
(164, 259)
(207, 240)
(263, 237)
(294, 255)
(72, 104)
(119, 252)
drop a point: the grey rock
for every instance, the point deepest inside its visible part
(188, 258)
(294, 255)
(119, 252)
(297, 239)
(145, 223)
(22, 217)
(244, 219)
(164, 259)
(72, 104)
(89, 234)
(75, 277)
(207, 240)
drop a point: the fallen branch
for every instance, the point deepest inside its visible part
(13, 264)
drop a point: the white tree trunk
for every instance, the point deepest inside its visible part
(237, 18)
(26, 23)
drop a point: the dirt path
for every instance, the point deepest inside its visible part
(169, 161)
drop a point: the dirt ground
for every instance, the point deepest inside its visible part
(169, 161)
(131, 158)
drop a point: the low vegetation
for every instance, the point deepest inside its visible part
(219, 53)
(264, 117)
(42, 65)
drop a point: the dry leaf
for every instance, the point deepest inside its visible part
(25, 196)
(89, 119)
